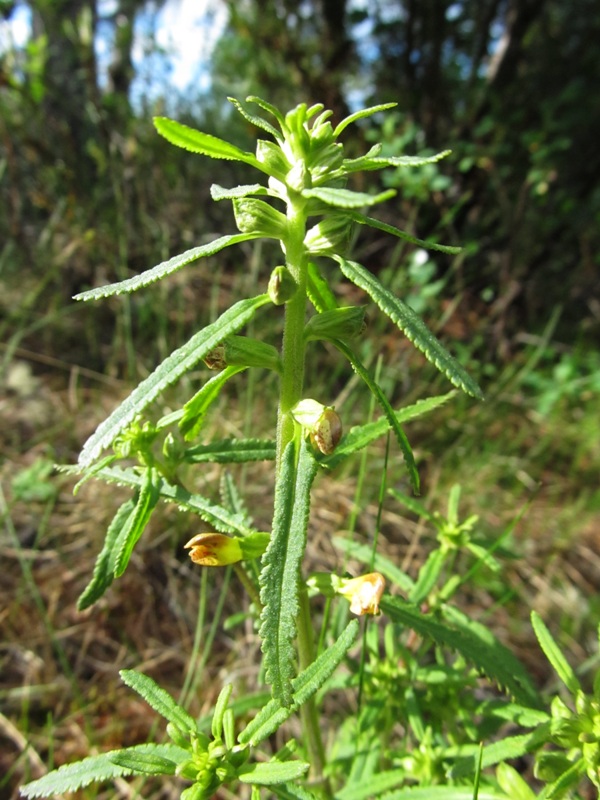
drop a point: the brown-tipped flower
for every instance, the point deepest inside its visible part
(322, 423)
(214, 550)
(364, 592)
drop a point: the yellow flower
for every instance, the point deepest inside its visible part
(214, 550)
(364, 592)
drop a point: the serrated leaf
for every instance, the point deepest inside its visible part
(412, 326)
(232, 499)
(310, 680)
(197, 142)
(230, 451)
(252, 98)
(399, 234)
(196, 409)
(217, 516)
(219, 193)
(135, 524)
(71, 777)
(508, 748)
(103, 574)
(552, 652)
(478, 645)
(165, 268)
(359, 436)
(171, 369)
(371, 162)
(159, 699)
(384, 403)
(144, 763)
(272, 772)
(254, 119)
(365, 112)
(345, 198)
(280, 574)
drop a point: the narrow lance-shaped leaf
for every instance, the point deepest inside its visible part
(310, 680)
(230, 451)
(135, 524)
(272, 772)
(412, 326)
(480, 647)
(359, 436)
(198, 142)
(159, 699)
(71, 777)
(171, 369)
(553, 654)
(361, 370)
(365, 112)
(280, 574)
(217, 516)
(165, 268)
(254, 119)
(345, 198)
(196, 409)
(104, 574)
(374, 161)
(383, 226)
(153, 763)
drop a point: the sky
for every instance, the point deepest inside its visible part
(187, 30)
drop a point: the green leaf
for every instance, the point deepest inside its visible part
(229, 451)
(412, 325)
(103, 574)
(292, 791)
(428, 576)
(280, 575)
(71, 777)
(553, 654)
(171, 369)
(217, 516)
(310, 680)
(375, 786)
(383, 226)
(371, 162)
(319, 293)
(219, 712)
(375, 389)
(203, 143)
(508, 748)
(144, 763)
(513, 784)
(196, 409)
(477, 644)
(272, 772)
(135, 524)
(159, 699)
(378, 562)
(445, 793)
(254, 119)
(345, 198)
(165, 268)
(365, 112)
(219, 193)
(252, 98)
(360, 436)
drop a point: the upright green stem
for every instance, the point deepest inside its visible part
(292, 382)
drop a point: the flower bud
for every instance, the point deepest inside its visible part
(273, 158)
(282, 286)
(256, 216)
(243, 351)
(322, 423)
(298, 178)
(331, 235)
(364, 593)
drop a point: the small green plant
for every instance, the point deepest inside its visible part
(308, 209)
